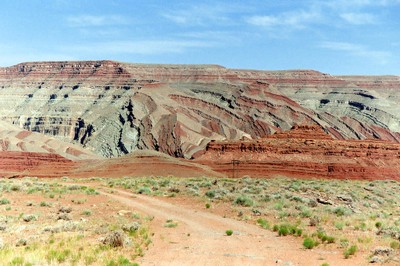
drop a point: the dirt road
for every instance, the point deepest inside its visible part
(200, 239)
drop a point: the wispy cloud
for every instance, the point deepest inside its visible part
(341, 4)
(143, 47)
(204, 15)
(296, 19)
(381, 57)
(359, 18)
(96, 21)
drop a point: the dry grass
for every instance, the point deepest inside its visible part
(336, 214)
(46, 223)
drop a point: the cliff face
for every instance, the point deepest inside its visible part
(305, 151)
(115, 108)
(16, 164)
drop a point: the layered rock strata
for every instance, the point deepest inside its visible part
(305, 151)
(113, 108)
(19, 164)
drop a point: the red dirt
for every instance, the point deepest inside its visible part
(200, 239)
(141, 163)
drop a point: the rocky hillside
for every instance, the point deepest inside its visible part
(304, 151)
(114, 108)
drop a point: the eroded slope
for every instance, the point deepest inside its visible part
(305, 151)
(115, 108)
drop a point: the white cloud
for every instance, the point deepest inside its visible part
(295, 19)
(359, 18)
(346, 4)
(381, 57)
(204, 15)
(96, 21)
(148, 47)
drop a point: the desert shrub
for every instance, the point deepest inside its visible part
(244, 200)
(144, 190)
(17, 261)
(65, 209)
(287, 229)
(78, 201)
(314, 221)
(208, 205)
(339, 225)
(29, 217)
(64, 216)
(4, 201)
(114, 239)
(122, 261)
(305, 213)
(309, 243)
(132, 227)
(74, 187)
(21, 242)
(350, 251)
(341, 211)
(210, 193)
(15, 188)
(45, 204)
(378, 225)
(283, 231)
(263, 223)
(91, 191)
(395, 245)
(299, 232)
(59, 256)
(87, 212)
(170, 224)
(229, 232)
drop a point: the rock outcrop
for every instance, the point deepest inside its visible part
(305, 151)
(113, 108)
(19, 164)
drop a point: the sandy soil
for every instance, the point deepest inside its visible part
(200, 239)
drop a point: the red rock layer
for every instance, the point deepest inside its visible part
(15, 164)
(305, 151)
(115, 108)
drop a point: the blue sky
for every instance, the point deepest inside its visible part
(332, 36)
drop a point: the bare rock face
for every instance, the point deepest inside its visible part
(305, 151)
(113, 108)
(18, 164)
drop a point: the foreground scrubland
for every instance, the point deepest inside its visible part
(69, 221)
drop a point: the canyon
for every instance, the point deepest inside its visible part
(86, 111)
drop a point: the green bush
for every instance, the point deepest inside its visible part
(350, 251)
(378, 225)
(283, 231)
(287, 229)
(395, 245)
(309, 243)
(144, 190)
(4, 201)
(263, 223)
(243, 200)
(229, 232)
(341, 211)
(210, 193)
